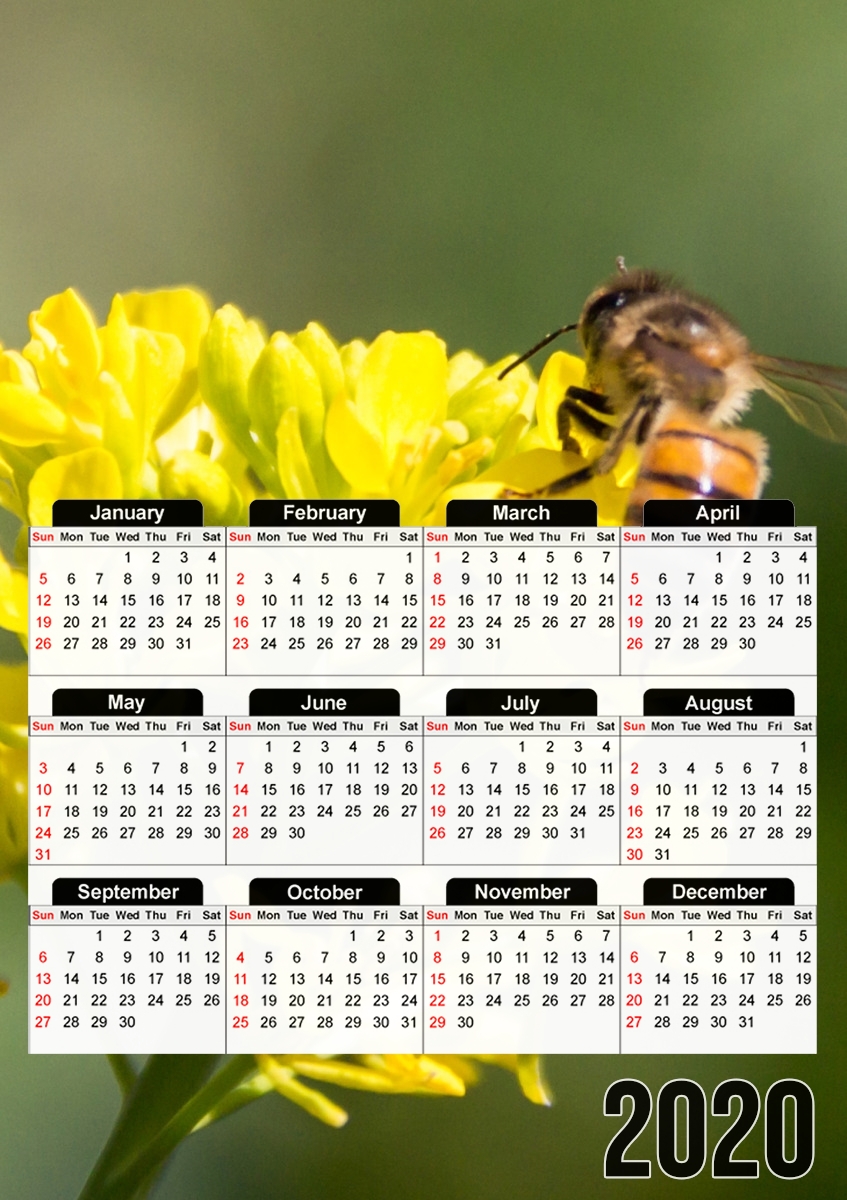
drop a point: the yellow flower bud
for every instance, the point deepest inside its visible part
(281, 379)
(193, 476)
(315, 344)
(227, 354)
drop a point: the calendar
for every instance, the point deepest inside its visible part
(328, 784)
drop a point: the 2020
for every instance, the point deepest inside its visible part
(681, 1122)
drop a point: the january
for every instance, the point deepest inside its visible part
(127, 514)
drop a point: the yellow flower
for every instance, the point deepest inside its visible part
(87, 474)
(412, 423)
(417, 1074)
(191, 475)
(168, 399)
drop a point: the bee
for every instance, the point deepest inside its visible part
(668, 371)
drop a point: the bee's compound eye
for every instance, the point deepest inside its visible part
(607, 303)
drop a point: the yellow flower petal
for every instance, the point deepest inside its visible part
(148, 365)
(86, 475)
(475, 490)
(461, 369)
(121, 433)
(532, 1081)
(65, 348)
(534, 469)
(14, 368)
(486, 403)
(356, 451)
(28, 418)
(285, 1083)
(402, 388)
(352, 357)
(185, 313)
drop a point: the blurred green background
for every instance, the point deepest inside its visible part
(472, 168)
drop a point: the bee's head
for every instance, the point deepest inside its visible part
(643, 334)
(606, 303)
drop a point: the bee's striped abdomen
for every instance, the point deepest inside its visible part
(687, 460)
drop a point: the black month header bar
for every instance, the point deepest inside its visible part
(153, 514)
(354, 514)
(521, 891)
(718, 702)
(524, 702)
(121, 702)
(718, 513)
(323, 702)
(718, 891)
(127, 891)
(528, 513)
(330, 890)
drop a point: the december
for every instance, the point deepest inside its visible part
(147, 891)
(317, 892)
(736, 891)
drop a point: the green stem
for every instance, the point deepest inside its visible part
(124, 1072)
(246, 1093)
(165, 1084)
(123, 1177)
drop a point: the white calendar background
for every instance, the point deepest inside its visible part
(516, 785)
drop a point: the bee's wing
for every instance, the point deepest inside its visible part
(812, 395)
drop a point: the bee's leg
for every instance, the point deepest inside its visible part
(642, 414)
(645, 425)
(596, 400)
(574, 408)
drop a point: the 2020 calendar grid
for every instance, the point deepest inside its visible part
(330, 784)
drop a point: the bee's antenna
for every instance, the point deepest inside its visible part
(545, 341)
(621, 265)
